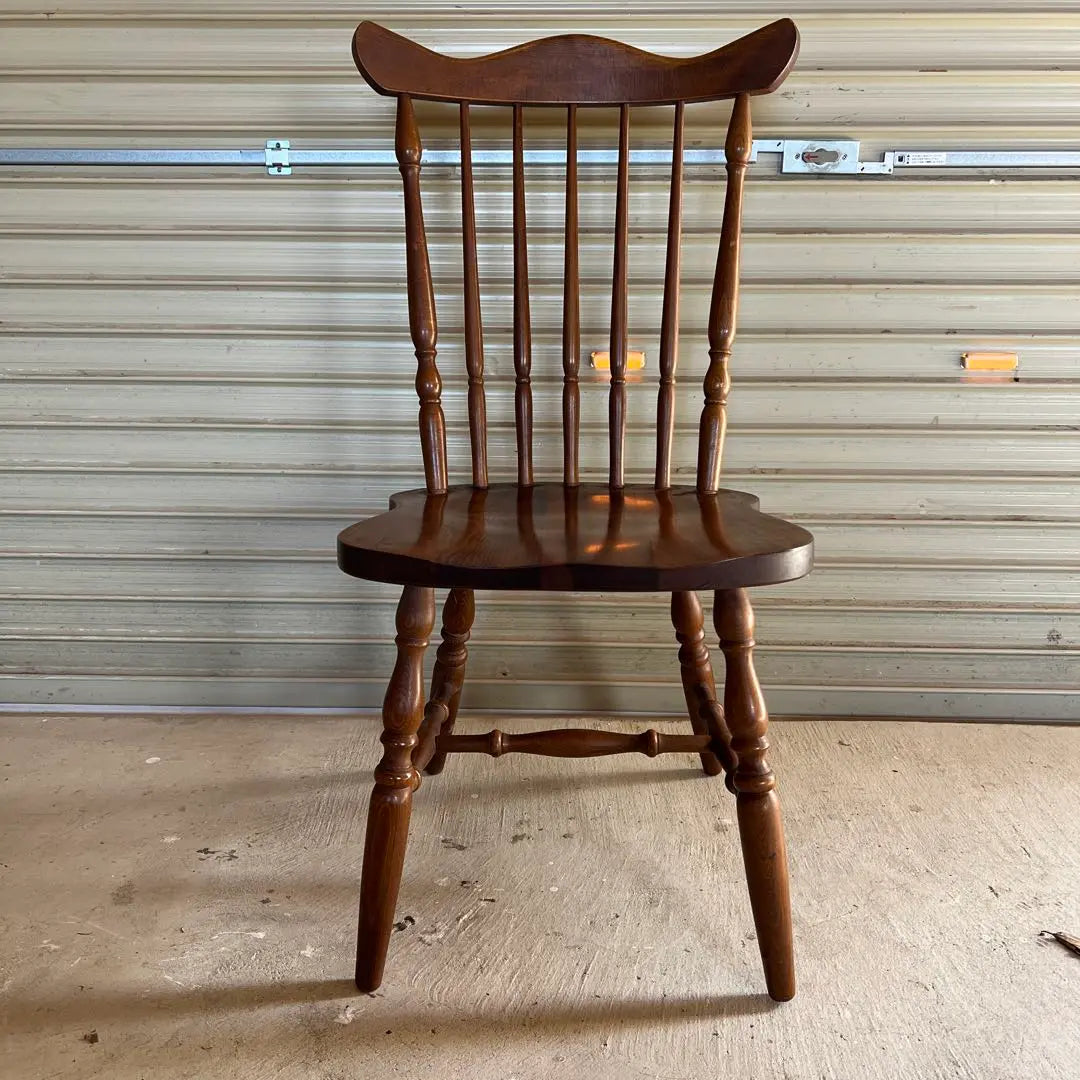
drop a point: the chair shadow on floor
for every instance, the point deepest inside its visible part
(540, 781)
(260, 790)
(363, 1016)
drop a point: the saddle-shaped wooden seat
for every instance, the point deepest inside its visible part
(580, 533)
(584, 538)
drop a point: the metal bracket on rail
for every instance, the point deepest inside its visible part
(826, 157)
(277, 157)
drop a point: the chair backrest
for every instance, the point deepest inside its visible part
(573, 71)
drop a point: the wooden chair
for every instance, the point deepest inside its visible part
(571, 534)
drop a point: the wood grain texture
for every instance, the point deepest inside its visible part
(473, 321)
(391, 800)
(669, 318)
(761, 830)
(422, 320)
(576, 69)
(571, 313)
(573, 743)
(588, 538)
(725, 301)
(447, 679)
(522, 319)
(618, 341)
(699, 686)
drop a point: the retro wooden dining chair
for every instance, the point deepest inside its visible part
(570, 534)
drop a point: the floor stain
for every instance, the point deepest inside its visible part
(124, 894)
(221, 856)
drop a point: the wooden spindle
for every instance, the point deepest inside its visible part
(617, 346)
(422, 322)
(522, 328)
(669, 320)
(474, 334)
(571, 341)
(724, 305)
(573, 743)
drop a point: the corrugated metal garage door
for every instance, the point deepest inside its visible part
(207, 373)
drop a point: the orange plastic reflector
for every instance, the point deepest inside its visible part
(989, 361)
(635, 360)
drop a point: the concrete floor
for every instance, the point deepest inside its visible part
(179, 896)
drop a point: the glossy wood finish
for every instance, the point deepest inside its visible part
(760, 828)
(422, 322)
(571, 333)
(576, 69)
(725, 302)
(669, 317)
(589, 538)
(574, 743)
(391, 801)
(447, 678)
(522, 318)
(738, 70)
(473, 321)
(569, 535)
(618, 341)
(699, 688)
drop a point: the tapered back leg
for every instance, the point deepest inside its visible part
(706, 716)
(447, 679)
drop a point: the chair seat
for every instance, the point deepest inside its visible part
(586, 538)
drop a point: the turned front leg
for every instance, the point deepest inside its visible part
(391, 800)
(699, 688)
(760, 826)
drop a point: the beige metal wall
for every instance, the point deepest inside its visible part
(205, 374)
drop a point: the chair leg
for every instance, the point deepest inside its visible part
(448, 675)
(760, 827)
(391, 800)
(706, 716)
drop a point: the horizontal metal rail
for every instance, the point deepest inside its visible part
(334, 157)
(96, 156)
(987, 159)
(806, 156)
